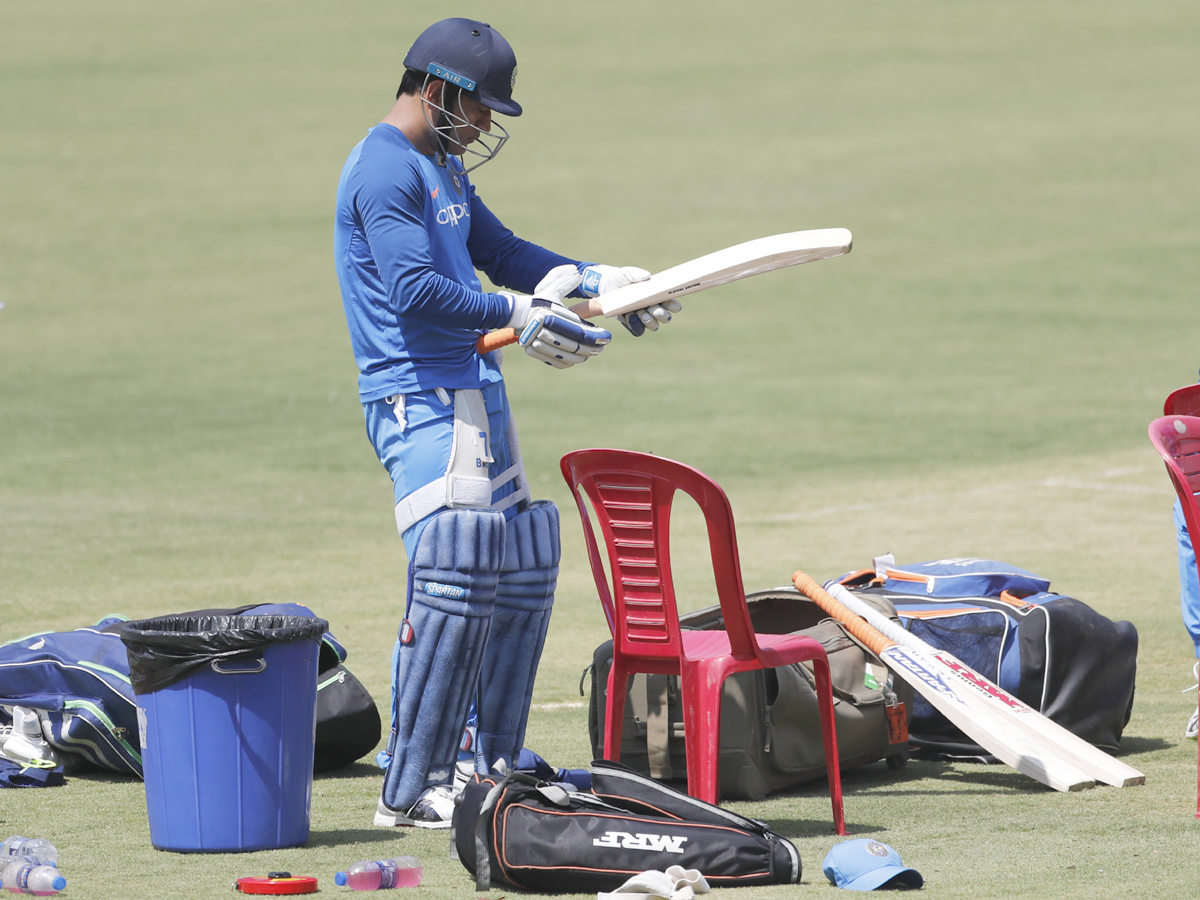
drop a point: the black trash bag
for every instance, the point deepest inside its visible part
(165, 650)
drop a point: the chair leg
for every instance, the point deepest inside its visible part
(614, 710)
(833, 766)
(702, 731)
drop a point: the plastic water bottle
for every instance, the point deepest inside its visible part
(26, 861)
(404, 871)
(25, 879)
(23, 846)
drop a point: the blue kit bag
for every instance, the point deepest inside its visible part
(1053, 652)
(79, 683)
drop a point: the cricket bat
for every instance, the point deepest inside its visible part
(765, 254)
(1091, 759)
(974, 710)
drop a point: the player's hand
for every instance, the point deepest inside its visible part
(648, 318)
(548, 330)
(599, 279)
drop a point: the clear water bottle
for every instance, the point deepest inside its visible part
(404, 871)
(27, 861)
(39, 880)
(23, 846)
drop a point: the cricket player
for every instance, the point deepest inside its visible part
(1186, 401)
(410, 235)
(1189, 603)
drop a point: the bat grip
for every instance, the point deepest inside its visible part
(871, 638)
(877, 620)
(502, 337)
(494, 340)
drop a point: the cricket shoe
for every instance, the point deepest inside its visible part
(433, 809)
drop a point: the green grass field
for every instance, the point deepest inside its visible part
(179, 426)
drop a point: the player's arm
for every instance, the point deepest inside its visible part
(544, 326)
(513, 262)
(392, 212)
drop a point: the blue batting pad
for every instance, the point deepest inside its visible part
(524, 597)
(1189, 599)
(454, 573)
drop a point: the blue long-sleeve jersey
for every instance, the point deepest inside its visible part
(408, 239)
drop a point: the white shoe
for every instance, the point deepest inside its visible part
(433, 809)
(23, 742)
(1192, 728)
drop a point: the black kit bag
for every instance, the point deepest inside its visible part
(348, 724)
(542, 836)
(771, 735)
(1051, 651)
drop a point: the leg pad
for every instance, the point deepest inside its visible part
(454, 572)
(524, 598)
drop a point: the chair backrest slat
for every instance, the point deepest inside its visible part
(1177, 440)
(632, 494)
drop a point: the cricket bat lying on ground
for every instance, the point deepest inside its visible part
(766, 254)
(1009, 729)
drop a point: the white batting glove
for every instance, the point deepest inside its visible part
(648, 318)
(549, 331)
(600, 279)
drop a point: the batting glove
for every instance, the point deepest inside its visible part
(599, 279)
(547, 329)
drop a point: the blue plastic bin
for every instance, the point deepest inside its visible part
(227, 745)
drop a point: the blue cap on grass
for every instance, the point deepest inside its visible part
(865, 865)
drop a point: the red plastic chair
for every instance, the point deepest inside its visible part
(632, 494)
(1177, 440)
(1184, 401)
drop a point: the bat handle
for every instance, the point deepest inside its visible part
(502, 337)
(857, 626)
(494, 340)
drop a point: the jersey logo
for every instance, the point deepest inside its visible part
(452, 214)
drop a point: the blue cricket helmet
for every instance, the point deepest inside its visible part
(472, 55)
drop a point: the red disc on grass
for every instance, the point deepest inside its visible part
(265, 884)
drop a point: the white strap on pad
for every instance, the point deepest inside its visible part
(466, 484)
